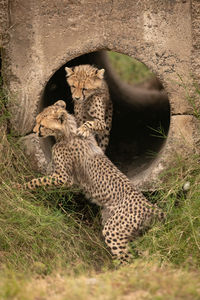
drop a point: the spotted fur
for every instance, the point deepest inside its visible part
(92, 104)
(80, 161)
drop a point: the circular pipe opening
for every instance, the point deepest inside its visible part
(141, 114)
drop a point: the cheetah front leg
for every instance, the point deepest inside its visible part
(52, 180)
(89, 127)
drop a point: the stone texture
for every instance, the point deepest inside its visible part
(41, 36)
(4, 22)
(195, 57)
(37, 151)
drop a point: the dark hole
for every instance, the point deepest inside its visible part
(138, 128)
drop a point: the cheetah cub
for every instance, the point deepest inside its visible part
(92, 104)
(80, 161)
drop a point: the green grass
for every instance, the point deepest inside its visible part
(138, 281)
(51, 244)
(41, 231)
(129, 69)
(177, 241)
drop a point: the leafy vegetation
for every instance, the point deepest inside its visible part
(51, 245)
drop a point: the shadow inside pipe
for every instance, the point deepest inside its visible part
(141, 116)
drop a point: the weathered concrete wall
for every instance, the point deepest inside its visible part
(195, 31)
(4, 22)
(44, 35)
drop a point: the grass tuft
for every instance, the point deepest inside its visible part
(139, 281)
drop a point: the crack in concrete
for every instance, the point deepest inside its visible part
(180, 114)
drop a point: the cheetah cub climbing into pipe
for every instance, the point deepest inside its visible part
(80, 161)
(92, 103)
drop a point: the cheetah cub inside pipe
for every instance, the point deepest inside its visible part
(92, 104)
(78, 160)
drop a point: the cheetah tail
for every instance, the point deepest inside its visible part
(159, 214)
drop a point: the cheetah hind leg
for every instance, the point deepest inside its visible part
(118, 243)
(102, 141)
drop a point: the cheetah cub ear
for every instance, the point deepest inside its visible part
(62, 118)
(68, 71)
(100, 73)
(60, 103)
(61, 115)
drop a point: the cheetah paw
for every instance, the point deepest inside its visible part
(83, 131)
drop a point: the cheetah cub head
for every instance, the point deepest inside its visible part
(55, 121)
(84, 81)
